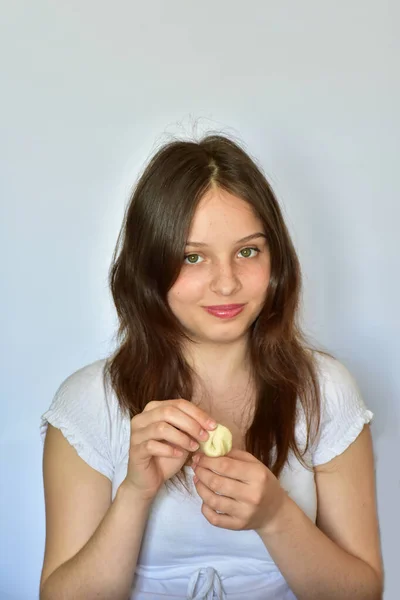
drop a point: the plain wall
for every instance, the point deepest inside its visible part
(88, 90)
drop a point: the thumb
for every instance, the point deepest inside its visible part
(242, 455)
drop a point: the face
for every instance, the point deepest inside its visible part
(219, 270)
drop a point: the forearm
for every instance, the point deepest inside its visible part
(104, 568)
(313, 565)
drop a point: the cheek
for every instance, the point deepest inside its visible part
(257, 277)
(185, 290)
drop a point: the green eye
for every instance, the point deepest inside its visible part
(190, 258)
(193, 259)
(248, 252)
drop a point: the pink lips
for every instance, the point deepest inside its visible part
(225, 311)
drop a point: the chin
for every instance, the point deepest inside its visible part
(222, 337)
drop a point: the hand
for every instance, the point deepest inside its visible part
(251, 494)
(162, 436)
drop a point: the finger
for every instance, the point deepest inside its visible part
(242, 455)
(218, 520)
(234, 453)
(173, 415)
(193, 411)
(161, 430)
(228, 467)
(230, 488)
(219, 503)
(143, 452)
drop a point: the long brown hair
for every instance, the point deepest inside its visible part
(149, 363)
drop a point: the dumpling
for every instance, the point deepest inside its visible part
(219, 442)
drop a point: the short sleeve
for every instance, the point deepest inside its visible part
(343, 410)
(81, 411)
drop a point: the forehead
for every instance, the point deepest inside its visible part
(221, 212)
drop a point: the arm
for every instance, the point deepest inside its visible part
(91, 551)
(340, 558)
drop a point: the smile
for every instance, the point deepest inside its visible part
(227, 311)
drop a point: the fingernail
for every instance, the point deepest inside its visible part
(211, 424)
(194, 445)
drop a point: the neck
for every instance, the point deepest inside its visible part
(219, 366)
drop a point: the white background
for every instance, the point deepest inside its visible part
(88, 90)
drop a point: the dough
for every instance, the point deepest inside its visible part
(219, 442)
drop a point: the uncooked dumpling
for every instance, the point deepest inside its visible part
(218, 443)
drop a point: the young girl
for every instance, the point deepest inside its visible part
(206, 283)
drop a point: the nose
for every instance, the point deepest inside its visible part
(224, 280)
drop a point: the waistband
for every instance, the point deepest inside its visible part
(206, 583)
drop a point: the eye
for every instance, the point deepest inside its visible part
(192, 259)
(189, 257)
(247, 250)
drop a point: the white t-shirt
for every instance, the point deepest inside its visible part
(182, 554)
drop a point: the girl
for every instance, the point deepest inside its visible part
(206, 283)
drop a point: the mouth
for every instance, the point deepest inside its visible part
(224, 306)
(225, 311)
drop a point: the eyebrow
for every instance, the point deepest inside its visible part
(253, 236)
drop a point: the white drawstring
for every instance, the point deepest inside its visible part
(210, 588)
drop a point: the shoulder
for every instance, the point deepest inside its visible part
(333, 372)
(343, 409)
(86, 410)
(85, 391)
(86, 381)
(337, 385)
(85, 378)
